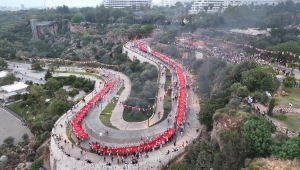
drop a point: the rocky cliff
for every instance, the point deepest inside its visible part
(223, 121)
(82, 28)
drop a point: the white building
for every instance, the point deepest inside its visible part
(126, 3)
(18, 87)
(213, 5)
(3, 74)
(9, 91)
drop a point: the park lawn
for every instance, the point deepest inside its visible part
(121, 90)
(15, 107)
(82, 73)
(167, 107)
(292, 122)
(106, 114)
(293, 97)
(167, 103)
(168, 78)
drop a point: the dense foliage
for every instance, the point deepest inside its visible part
(143, 77)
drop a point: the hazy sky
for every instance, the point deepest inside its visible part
(70, 3)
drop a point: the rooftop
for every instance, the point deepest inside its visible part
(3, 74)
(14, 87)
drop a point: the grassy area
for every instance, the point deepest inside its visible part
(22, 111)
(68, 134)
(168, 78)
(106, 114)
(167, 107)
(168, 102)
(292, 122)
(121, 90)
(82, 73)
(293, 97)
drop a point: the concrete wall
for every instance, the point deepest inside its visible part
(60, 161)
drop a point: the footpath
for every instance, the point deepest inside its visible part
(122, 137)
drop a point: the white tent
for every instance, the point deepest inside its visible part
(17, 87)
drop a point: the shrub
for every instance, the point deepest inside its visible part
(77, 84)
(36, 164)
(86, 89)
(9, 141)
(247, 109)
(289, 81)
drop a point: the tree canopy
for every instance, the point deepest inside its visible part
(3, 64)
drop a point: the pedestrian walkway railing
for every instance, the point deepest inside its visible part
(10, 112)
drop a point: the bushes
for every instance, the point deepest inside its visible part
(258, 132)
(289, 149)
(86, 89)
(36, 164)
(289, 81)
(9, 141)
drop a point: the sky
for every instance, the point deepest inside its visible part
(70, 3)
(30, 3)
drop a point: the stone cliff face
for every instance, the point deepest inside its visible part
(81, 29)
(222, 121)
(47, 30)
(114, 37)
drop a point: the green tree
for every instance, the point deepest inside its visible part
(37, 66)
(61, 94)
(201, 155)
(243, 91)
(37, 92)
(73, 93)
(63, 9)
(234, 88)
(260, 78)
(10, 78)
(3, 64)
(78, 19)
(52, 85)
(289, 81)
(258, 132)
(36, 164)
(57, 107)
(48, 75)
(235, 149)
(25, 137)
(289, 149)
(9, 141)
(7, 49)
(271, 106)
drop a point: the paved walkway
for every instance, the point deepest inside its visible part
(125, 137)
(11, 126)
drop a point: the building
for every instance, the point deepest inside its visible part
(213, 6)
(18, 87)
(126, 3)
(3, 74)
(42, 28)
(251, 32)
(22, 7)
(9, 91)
